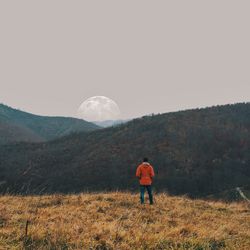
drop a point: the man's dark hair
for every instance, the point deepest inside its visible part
(145, 159)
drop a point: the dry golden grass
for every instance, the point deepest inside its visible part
(117, 221)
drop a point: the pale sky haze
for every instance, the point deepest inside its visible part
(148, 56)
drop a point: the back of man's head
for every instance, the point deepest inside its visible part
(145, 159)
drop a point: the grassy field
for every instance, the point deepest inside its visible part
(117, 221)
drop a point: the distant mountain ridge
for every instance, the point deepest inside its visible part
(110, 123)
(197, 152)
(16, 125)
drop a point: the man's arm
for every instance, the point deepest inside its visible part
(138, 173)
(152, 173)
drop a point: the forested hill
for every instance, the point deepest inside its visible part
(16, 125)
(196, 152)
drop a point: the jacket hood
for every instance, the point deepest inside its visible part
(146, 163)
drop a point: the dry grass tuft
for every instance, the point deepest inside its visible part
(117, 221)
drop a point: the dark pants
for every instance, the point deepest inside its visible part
(149, 190)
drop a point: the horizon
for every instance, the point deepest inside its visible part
(128, 119)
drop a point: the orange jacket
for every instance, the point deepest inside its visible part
(145, 172)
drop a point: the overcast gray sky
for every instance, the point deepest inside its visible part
(148, 56)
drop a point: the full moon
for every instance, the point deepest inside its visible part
(99, 108)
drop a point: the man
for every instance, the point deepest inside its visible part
(145, 174)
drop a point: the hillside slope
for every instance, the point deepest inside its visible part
(106, 221)
(11, 132)
(16, 125)
(195, 152)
